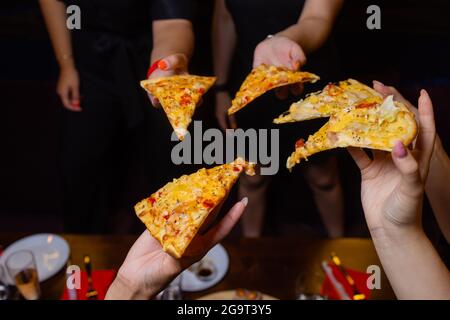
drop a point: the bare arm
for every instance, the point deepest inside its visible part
(314, 25)
(412, 265)
(223, 41)
(173, 44)
(172, 36)
(392, 197)
(437, 188)
(54, 13)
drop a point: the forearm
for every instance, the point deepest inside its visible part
(172, 36)
(301, 33)
(412, 265)
(314, 25)
(223, 41)
(437, 189)
(54, 13)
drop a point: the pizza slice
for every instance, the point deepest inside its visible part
(332, 99)
(179, 96)
(263, 79)
(176, 212)
(371, 126)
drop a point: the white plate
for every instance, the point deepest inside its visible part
(219, 258)
(50, 251)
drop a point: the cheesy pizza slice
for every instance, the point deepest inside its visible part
(179, 96)
(263, 79)
(332, 99)
(374, 126)
(175, 213)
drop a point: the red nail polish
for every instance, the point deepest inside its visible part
(162, 65)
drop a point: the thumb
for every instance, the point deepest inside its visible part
(409, 168)
(297, 56)
(75, 96)
(173, 62)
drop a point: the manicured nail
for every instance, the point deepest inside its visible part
(378, 83)
(400, 150)
(76, 103)
(244, 201)
(162, 65)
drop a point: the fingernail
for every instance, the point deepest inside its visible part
(162, 65)
(399, 150)
(378, 83)
(297, 65)
(244, 201)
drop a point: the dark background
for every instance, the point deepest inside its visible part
(411, 51)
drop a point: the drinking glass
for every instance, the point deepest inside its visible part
(4, 291)
(21, 266)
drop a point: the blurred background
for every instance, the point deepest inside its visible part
(410, 52)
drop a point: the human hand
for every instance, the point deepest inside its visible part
(147, 269)
(389, 90)
(283, 52)
(392, 185)
(223, 102)
(68, 88)
(171, 65)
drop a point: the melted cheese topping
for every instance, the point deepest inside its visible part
(332, 99)
(179, 96)
(176, 212)
(368, 125)
(263, 79)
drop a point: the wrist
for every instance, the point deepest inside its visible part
(386, 237)
(122, 289)
(66, 61)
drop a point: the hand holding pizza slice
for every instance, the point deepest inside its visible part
(264, 78)
(179, 96)
(175, 213)
(365, 125)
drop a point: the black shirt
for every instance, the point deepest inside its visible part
(112, 48)
(256, 19)
(130, 16)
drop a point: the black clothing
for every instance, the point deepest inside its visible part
(254, 20)
(108, 154)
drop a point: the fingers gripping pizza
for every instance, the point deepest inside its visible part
(263, 79)
(375, 126)
(175, 213)
(179, 96)
(332, 99)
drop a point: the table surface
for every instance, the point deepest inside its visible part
(279, 267)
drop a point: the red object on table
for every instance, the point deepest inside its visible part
(360, 279)
(101, 280)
